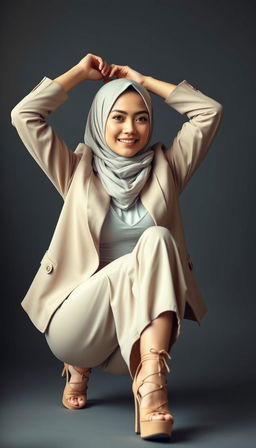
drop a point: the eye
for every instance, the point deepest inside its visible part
(116, 117)
(142, 119)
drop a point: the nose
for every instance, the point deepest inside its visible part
(129, 126)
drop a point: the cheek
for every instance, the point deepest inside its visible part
(110, 131)
(146, 131)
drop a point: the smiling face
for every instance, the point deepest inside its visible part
(128, 125)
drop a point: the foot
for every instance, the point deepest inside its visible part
(154, 399)
(79, 375)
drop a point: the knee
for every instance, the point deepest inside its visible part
(158, 233)
(72, 352)
(154, 237)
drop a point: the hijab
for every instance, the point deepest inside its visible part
(123, 177)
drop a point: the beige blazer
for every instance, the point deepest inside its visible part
(73, 252)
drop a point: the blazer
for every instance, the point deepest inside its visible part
(73, 252)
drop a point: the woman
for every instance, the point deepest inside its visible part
(117, 279)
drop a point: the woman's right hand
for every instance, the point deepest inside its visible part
(90, 67)
(94, 67)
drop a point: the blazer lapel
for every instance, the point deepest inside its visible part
(97, 207)
(153, 200)
(151, 195)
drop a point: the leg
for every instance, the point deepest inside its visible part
(82, 334)
(152, 281)
(155, 290)
(157, 335)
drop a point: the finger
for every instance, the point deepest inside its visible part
(109, 69)
(106, 73)
(105, 68)
(115, 69)
(100, 61)
(112, 69)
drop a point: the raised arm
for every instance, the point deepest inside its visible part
(29, 118)
(192, 142)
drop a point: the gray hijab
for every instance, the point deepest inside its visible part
(123, 177)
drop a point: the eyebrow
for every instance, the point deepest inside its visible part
(136, 113)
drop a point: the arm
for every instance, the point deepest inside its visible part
(160, 88)
(29, 117)
(49, 150)
(192, 142)
(156, 86)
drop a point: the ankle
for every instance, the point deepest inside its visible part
(77, 371)
(149, 368)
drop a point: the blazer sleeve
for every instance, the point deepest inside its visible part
(193, 140)
(45, 146)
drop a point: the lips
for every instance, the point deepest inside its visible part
(127, 140)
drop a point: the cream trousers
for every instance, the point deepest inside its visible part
(100, 322)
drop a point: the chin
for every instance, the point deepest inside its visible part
(126, 152)
(129, 154)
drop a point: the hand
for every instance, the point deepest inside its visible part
(94, 67)
(124, 71)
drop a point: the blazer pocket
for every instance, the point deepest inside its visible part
(47, 264)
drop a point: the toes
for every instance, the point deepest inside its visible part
(162, 417)
(159, 417)
(76, 401)
(168, 417)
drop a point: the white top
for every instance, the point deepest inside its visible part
(122, 229)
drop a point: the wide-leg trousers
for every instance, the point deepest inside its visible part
(100, 322)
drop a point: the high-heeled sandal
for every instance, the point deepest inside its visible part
(69, 391)
(145, 425)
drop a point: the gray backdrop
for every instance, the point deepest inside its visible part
(210, 44)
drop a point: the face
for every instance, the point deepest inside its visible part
(128, 125)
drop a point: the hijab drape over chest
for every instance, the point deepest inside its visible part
(123, 177)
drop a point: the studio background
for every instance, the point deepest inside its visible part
(210, 44)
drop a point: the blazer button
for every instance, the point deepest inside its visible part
(49, 268)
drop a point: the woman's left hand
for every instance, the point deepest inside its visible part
(124, 71)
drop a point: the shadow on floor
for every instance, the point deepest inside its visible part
(34, 416)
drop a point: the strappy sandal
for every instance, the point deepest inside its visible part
(145, 425)
(70, 391)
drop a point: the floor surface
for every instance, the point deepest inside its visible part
(32, 414)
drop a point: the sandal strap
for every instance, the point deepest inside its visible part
(70, 391)
(160, 387)
(84, 375)
(146, 414)
(154, 354)
(161, 356)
